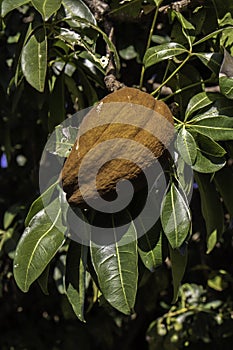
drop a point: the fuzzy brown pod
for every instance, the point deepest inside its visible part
(125, 115)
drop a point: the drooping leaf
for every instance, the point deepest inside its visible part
(34, 60)
(224, 180)
(40, 202)
(127, 8)
(187, 27)
(208, 164)
(186, 146)
(226, 76)
(175, 216)
(47, 7)
(209, 146)
(218, 128)
(211, 35)
(150, 246)
(76, 277)
(79, 9)
(197, 102)
(38, 245)
(212, 210)
(162, 52)
(43, 280)
(9, 5)
(178, 263)
(116, 266)
(212, 60)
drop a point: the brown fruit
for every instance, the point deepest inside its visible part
(125, 115)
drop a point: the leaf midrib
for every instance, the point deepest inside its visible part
(38, 242)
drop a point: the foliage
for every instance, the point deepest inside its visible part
(55, 57)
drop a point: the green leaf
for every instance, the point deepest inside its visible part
(212, 60)
(10, 215)
(197, 102)
(209, 146)
(63, 141)
(178, 263)
(9, 5)
(110, 44)
(150, 246)
(175, 217)
(40, 202)
(212, 210)
(127, 8)
(43, 280)
(162, 52)
(76, 277)
(38, 245)
(226, 76)
(211, 35)
(34, 60)
(207, 164)
(218, 128)
(224, 180)
(79, 9)
(46, 7)
(186, 146)
(187, 27)
(116, 266)
(128, 53)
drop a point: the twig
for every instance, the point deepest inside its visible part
(181, 5)
(111, 82)
(98, 8)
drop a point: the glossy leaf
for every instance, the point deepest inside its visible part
(178, 263)
(212, 60)
(219, 128)
(162, 52)
(175, 217)
(9, 5)
(212, 210)
(34, 60)
(40, 202)
(209, 146)
(207, 164)
(79, 9)
(76, 277)
(186, 146)
(150, 246)
(211, 35)
(38, 245)
(187, 27)
(46, 7)
(197, 102)
(226, 76)
(116, 266)
(224, 180)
